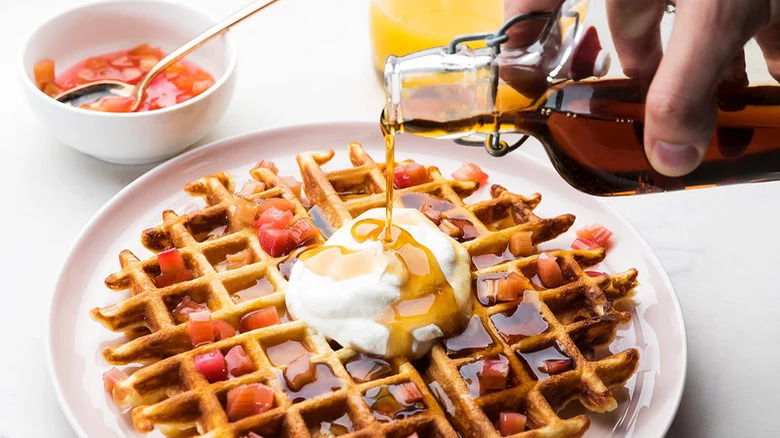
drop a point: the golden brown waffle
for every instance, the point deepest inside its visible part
(579, 315)
(171, 394)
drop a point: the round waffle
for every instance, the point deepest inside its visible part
(169, 393)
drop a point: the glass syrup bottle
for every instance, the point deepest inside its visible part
(592, 129)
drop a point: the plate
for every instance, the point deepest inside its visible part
(74, 341)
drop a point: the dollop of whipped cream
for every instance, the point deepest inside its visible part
(347, 289)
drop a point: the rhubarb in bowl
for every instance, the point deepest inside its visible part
(121, 40)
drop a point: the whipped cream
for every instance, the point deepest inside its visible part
(356, 283)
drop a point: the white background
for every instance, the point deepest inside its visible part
(309, 60)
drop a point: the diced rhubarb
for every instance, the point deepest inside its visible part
(170, 261)
(123, 61)
(409, 393)
(239, 259)
(556, 366)
(246, 400)
(212, 365)
(43, 71)
(580, 243)
(259, 319)
(431, 213)
(466, 227)
(414, 435)
(521, 244)
(171, 72)
(183, 97)
(252, 435)
(549, 271)
(251, 187)
(594, 273)
(273, 218)
(147, 62)
(51, 89)
(409, 175)
(238, 362)
(201, 86)
(450, 229)
(276, 242)
(201, 328)
(181, 313)
(277, 203)
(223, 330)
(268, 164)
(303, 230)
(132, 75)
(299, 372)
(510, 423)
(112, 377)
(245, 212)
(113, 104)
(293, 184)
(595, 233)
(471, 172)
(494, 375)
(167, 279)
(144, 50)
(511, 287)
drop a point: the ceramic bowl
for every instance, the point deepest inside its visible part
(97, 28)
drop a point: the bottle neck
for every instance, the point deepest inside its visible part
(453, 94)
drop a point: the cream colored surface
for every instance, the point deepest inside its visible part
(309, 60)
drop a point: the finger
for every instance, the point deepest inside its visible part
(636, 32)
(735, 73)
(525, 33)
(680, 106)
(769, 41)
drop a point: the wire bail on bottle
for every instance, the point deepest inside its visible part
(492, 142)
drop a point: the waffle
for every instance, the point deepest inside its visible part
(167, 392)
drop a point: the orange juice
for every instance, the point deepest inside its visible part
(399, 27)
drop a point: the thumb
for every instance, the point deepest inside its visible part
(681, 103)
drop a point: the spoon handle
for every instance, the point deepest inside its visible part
(198, 41)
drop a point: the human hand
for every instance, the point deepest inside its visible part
(705, 51)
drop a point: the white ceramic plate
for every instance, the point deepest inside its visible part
(647, 405)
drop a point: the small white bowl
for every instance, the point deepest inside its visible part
(97, 28)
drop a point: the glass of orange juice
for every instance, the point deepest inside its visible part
(400, 27)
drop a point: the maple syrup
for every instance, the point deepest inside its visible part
(324, 382)
(538, 362)
(341, 425)
(448, 210)
(593, 132)
(522, 321)
(364, 368)
(389, 135)
(387, 404)
(255, 289)
(474, 338)
(283, 353)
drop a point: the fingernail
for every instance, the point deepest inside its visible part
(674, 159)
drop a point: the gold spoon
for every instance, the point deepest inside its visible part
(105, 87)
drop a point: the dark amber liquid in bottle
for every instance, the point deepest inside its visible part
(593, 132)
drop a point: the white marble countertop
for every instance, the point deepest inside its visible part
(718, 245)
